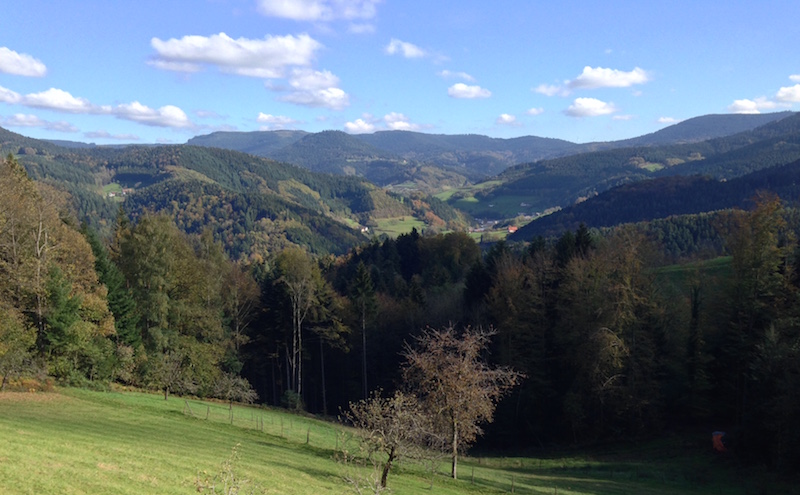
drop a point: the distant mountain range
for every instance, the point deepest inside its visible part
(436, 161)
(319, 189)
(534, 188)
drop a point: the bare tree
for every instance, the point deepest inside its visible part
(456, 387)
(392, 427)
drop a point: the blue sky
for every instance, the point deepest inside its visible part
(146, 71)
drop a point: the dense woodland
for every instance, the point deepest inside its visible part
(613, 343)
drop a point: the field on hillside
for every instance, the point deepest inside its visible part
(76, 442)
(393, 227)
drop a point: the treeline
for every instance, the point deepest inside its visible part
(612, 345)
(158, 309)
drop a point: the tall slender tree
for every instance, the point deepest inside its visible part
(362, 296)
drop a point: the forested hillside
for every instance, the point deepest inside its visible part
(668, 196)
(250, 203)
(536, 187)
(472, 156)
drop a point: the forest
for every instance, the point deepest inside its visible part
(612, 340)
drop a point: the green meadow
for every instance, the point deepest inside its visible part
(83, 442)
(395, 226)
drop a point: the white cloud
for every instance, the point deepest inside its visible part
(751, 106)
(359, 126)
(108, 135)
(589, 107)
(461, 90)
(8, 96)
(319, 10)
(456, 75)
(266, 58)
(27, 120)
(407, 50)
(667, 120)
(273, 122)
(20, 64)
(599, 77)
(795, 78)
(550, 90)
(623, 117)
(61, 101)
(166, 116)
(507, 119)
(318, 89)
(535, 111)
(399, 122)
(790, 94)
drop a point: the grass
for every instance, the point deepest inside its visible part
(395, 226)
(80, 442)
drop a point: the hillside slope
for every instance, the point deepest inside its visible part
(252, 204)
(667, 196)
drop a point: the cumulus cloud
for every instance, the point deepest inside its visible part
(507, 119)
(790, 94)
(456, 75)
(407, 50)
(599, 77)
(589, 107)
(359, 126)
(319, 10)
(265, 58)
(8, 96)
(461, 90)
(751, 106)
(20, 64)
(317, 89)
(596, 77)
(667, 120)
(166, 116)
(795, 78)
(392, 121)
(550, 90)
(61, 101)
(108, 135)
(399, 122)
(27, 120)
(272, 122)
(535, 111)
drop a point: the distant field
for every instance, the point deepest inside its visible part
(79, 442)
(393, 227)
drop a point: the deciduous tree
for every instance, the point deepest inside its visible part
(457, 387)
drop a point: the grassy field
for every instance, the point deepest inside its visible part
(393, 227)
(82, 442)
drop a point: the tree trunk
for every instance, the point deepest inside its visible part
(454, 471)
(386, 468)
(364, 350)
(166, 393)
(322, 365)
